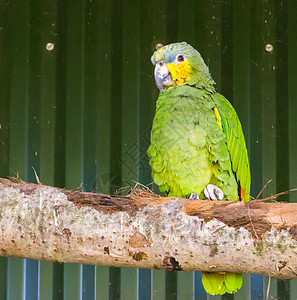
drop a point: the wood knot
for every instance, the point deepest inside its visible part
(138, 240)
(280, 265)
(66, 232)
(213, 250)
(169, 263)
(138, 256)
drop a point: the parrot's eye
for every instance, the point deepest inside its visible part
(180, 58)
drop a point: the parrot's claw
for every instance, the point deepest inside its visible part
(194, 196)
(212, 192)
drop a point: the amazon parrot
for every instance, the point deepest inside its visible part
(197, 148)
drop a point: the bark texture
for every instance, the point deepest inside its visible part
(43, 222)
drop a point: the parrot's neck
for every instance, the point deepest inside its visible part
(206, 83)
(204, 87)
(185, 99)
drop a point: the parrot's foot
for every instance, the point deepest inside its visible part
(212, 192)
(194, 196)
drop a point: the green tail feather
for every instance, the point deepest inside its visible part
(219, 284)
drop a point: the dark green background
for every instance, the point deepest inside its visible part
(82, 112)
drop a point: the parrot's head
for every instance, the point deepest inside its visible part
(178, 64)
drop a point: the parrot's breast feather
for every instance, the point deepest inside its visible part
(188, 149)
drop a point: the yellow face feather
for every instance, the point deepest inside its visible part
(179, 72)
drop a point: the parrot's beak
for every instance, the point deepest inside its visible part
(162, 75)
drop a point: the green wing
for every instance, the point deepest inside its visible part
(236, 144)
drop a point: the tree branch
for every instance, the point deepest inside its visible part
(43, 222)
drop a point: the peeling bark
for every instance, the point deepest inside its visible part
(42, 222)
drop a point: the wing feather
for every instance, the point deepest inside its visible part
(236, 143)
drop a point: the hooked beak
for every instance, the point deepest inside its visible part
(162, 76)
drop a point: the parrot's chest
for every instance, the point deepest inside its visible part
(177, 129)
(186, 145)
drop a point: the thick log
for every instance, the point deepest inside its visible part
(42, 222)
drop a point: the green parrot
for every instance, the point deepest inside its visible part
(197, 145)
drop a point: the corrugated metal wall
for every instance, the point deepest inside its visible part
(77, 102)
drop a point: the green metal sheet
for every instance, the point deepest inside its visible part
(159, 285)
(15, 278)
(46, 271)
(102, 283)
